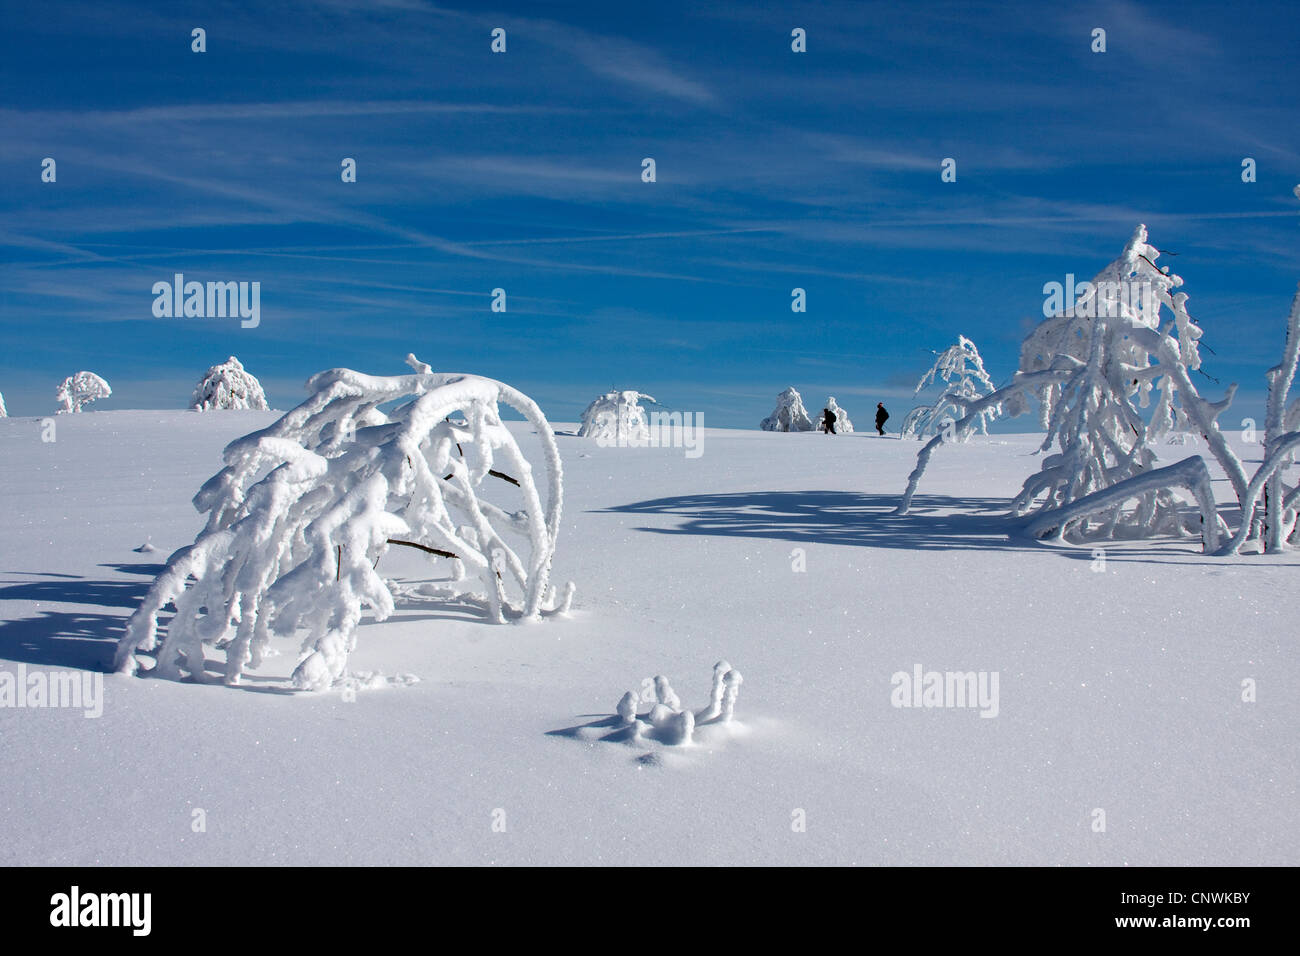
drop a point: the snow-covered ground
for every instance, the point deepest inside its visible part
(1119, 689)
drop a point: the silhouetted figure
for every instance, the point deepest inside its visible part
(882, 416)
(828, 421)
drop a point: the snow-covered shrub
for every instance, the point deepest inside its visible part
(304, 509)
(965, 381)
(1268, 507)
(789, 414)
(228, 385)
(1093, 369)
(617, 418)
(843, 426)
(77, 391)
(668, 722)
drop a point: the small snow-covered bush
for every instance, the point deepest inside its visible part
(961, 370)
(789, 414)
(305, 508)
(843, 426)
(228, 385)
(617, 418)
(77, 391)
(668, 722)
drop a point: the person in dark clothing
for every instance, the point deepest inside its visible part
(882, 416)
(828, 421)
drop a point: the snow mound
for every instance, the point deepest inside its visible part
(228, 386)
(616, 418)
(789, 414)
(353, 683)
(304, 510)
(666, 722)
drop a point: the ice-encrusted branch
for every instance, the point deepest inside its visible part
(1277, 523)
(962, 370)
(303, 510)
(1190, 473)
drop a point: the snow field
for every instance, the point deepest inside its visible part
(1120, 689)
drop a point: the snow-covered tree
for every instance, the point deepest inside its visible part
(1090, 368)
(1268, 507)
(1093, 368)
(1282, 438)
(617, 418)
(843, 425)
(304, 509)
(77, 391)
(789, 414)
(961, 370)
(228, 385)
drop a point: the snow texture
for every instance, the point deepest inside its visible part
(679, 559)
(228, 386)
(77, 391)
(789, 414)
(616, 418)
(304, 510)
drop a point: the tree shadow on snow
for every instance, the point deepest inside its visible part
(935, 523)
(839, 517)
(72, 638)
(609, 727)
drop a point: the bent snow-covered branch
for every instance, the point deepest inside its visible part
(961, 369)
(304, 509)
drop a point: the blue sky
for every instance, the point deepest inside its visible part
(522, 171)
